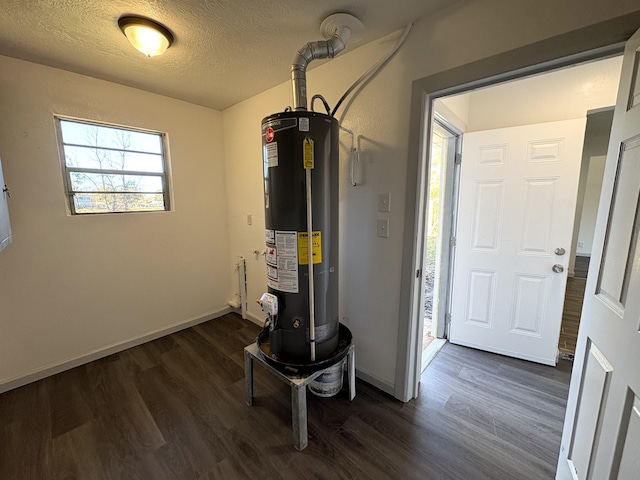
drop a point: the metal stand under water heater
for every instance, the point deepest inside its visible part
(301, 172)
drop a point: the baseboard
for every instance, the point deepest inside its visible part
(39, 374)
(258, 321)
(376, 382)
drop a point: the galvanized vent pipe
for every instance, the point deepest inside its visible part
(337, 29)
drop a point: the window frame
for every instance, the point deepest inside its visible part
(67, 171)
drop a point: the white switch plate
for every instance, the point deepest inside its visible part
(383, 227)
(384, 202)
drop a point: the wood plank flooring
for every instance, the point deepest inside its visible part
(581, 266)
(571, 313)
(174, 409)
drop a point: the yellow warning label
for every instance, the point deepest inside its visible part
(309, 160)
(303, 248)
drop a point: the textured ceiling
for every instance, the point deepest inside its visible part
(224, 52)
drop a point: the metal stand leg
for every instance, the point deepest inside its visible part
(298, 385)
(299, 416)
(248, 377)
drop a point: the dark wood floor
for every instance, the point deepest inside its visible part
(174, 409)
(581, 266)
(571, 313)
(572, 308)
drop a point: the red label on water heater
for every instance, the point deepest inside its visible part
(269, 134)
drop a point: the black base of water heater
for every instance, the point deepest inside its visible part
(289, 344)
(304, 368)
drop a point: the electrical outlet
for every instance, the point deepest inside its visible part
(581, 244)
(383, 227)
(384, 202)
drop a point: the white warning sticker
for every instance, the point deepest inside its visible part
(270, 236)
(282, 263)
(271, 154)
(287, 244)
(272, 272)
(303, 125)
(272, 256)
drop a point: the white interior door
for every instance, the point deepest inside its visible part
(601, 438)
(5, 226)
(518, 189)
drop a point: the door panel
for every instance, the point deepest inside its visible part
(613, 280)
(634, 91)
(487, 216)
(518, 191)
(630, 453)
(528, 305)
(537, 219)
(481, 297)
(597, 373)
(601, 437)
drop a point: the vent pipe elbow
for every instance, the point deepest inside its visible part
(317, 50)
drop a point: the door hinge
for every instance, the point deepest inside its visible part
(418, 273)
(453, 241)
(458, 159)
(6, 191)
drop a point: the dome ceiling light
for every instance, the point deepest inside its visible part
(147, 36)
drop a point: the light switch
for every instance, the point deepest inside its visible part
(249, 219)
(384, 202)
(383, 227)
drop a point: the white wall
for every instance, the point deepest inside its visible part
(370, 267)
(243, 167)
(561, 95)
(70, 286)
(590, 205)
(455, 110)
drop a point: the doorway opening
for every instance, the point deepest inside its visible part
(596, 144)
(596, 42)
(473, 292)
(444, 149)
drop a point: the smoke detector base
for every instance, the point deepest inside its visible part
(340, 20)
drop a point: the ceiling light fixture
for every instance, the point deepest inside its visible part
(145, 35)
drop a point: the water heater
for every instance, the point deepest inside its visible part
(300, 154)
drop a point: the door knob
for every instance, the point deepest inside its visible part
(560, 251)
(557, 268)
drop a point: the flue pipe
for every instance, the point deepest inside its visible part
(321, 49)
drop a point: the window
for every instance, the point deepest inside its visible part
(110, 169)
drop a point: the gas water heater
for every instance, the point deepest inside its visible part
(301, 168)
(300, 155)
